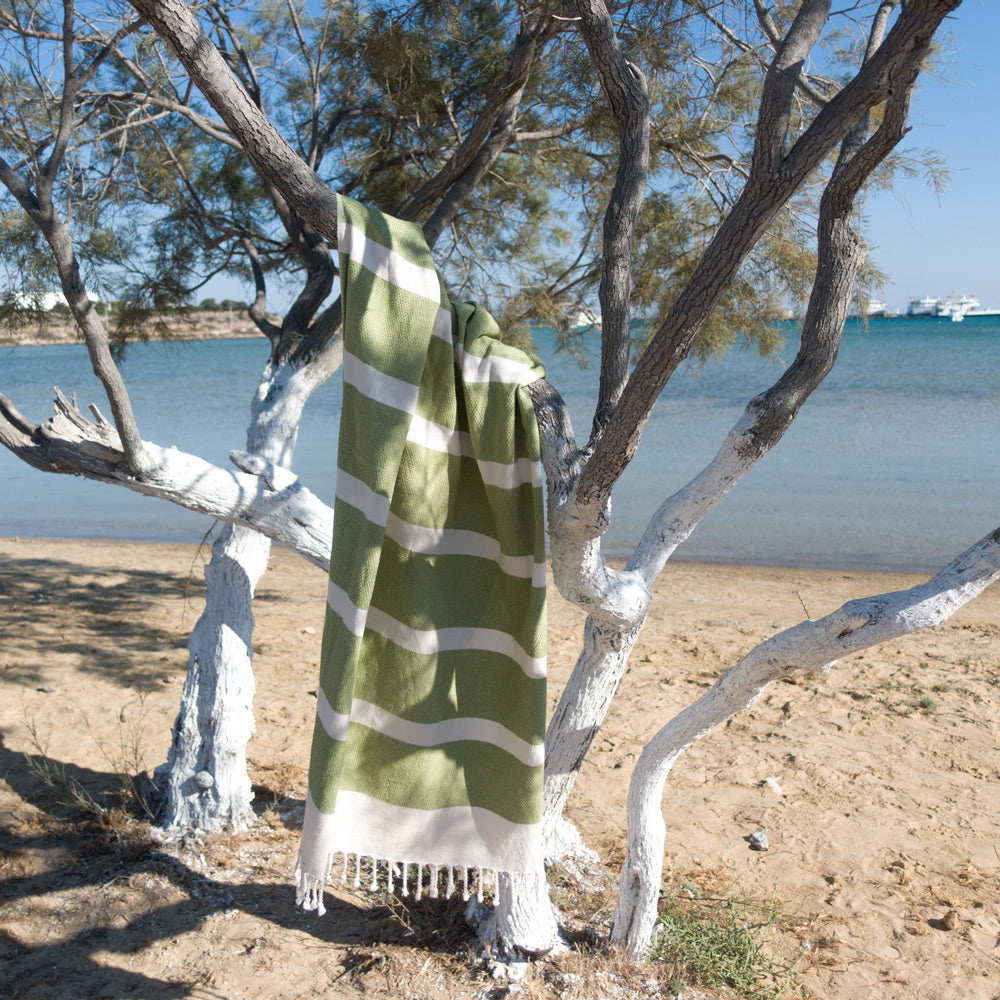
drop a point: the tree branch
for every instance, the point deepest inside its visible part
(274, 159)
(496, 118)
(772, 182)
(811, 645)
(264, 497)
(624, 87)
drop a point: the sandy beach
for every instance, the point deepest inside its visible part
(883, 818)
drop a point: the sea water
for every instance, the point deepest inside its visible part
(892, 464)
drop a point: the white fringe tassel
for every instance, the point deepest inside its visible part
(397, 877)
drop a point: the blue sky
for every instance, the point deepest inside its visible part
(945, 244)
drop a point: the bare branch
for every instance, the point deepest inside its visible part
(811, 645)
(274, 159)
(270, 499)
(624, 87)
(257, 307)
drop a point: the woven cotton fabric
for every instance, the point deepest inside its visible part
(429, 736)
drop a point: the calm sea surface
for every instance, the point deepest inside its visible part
(893, 464)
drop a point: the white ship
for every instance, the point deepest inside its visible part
(926, 306)
(957, 307)
(585, 319)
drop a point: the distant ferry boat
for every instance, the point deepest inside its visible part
(954, 307)
(927, 306)
(871, 309)
(957, 307)
(586, 319)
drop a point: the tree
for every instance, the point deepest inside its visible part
(402, 132)
(146, 116)
(800, 123)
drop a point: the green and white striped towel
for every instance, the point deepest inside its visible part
(429, 739)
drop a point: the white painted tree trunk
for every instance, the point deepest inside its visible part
(206, 781)
(525, 921)
(811, 645)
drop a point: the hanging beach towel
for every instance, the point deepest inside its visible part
(428, 744)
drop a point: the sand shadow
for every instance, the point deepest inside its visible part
(51, 848)
(115, 638)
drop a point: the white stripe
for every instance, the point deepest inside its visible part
(456, 542)
(349, 613)
(442, 326)
(377, 385)
(388, 264)
(431, 641)
(334, 723)
(494, 368)
(432, 734)
(437, 437)
(509, 475)
(506, 475)
(362, 497)
(461, 836)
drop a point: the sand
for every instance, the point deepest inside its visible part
(884, 837)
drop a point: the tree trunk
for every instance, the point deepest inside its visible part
(205, 779)
(525, 919)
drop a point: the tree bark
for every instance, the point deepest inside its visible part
(266, 497)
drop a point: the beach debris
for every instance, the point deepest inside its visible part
(48, 688)
(758, 840)
(772, 783)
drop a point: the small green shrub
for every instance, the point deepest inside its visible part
(722, 942)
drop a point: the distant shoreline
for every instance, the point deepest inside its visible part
(195, 326)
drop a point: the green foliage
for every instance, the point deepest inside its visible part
(378, 96)
(722, 942)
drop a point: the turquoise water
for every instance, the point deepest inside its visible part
(892, 464)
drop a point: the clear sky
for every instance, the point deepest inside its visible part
(945, 244)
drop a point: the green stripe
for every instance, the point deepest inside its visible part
(375, 304)
(341, 653)
(465, 773)
(427, 689)
(427, 592)
(437, 399)
(326, 764)
(372, 438)
(355, 555)
(445, 491)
